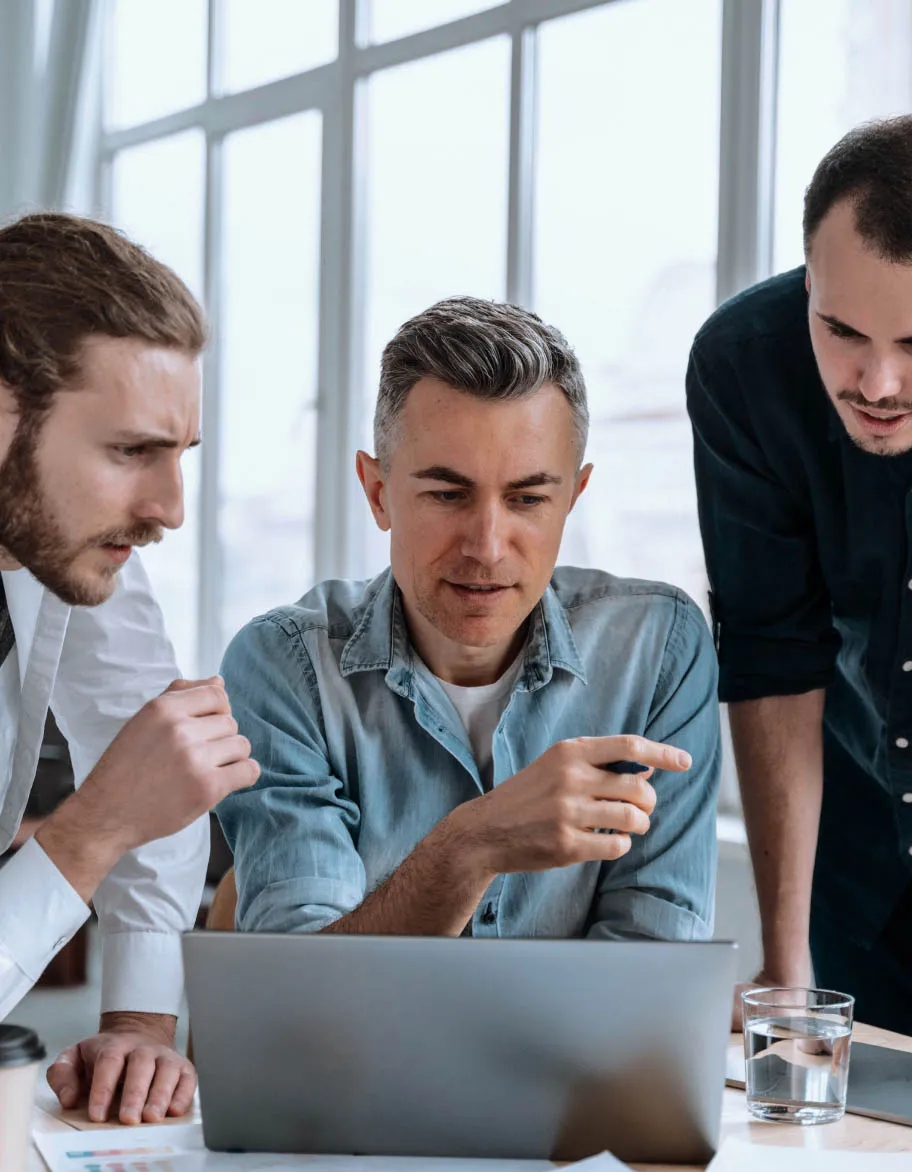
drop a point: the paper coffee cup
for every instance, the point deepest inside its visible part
(21, 1054)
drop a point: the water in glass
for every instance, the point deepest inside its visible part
(797, 1067)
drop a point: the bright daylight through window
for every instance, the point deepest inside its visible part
(319, 188)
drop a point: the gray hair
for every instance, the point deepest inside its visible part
(485, 348)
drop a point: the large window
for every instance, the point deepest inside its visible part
(318, 172)
(438, 228)
(624, 261)
(841, 62)
(157, 197)
(268, 325)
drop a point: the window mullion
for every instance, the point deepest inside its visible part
(746, 143)
(211, 576)
(339, 520)
(521, 198)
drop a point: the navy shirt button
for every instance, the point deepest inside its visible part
(901, 743)
(907, 797)
(907, 666)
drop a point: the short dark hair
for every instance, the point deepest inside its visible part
(64, 279)
(489, 349)
(872, 167)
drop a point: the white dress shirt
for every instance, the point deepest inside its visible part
(94, 667)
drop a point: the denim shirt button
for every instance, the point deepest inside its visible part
(489, 916)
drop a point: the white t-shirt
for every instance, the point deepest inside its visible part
(480, 710)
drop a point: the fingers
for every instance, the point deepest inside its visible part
(197, 697)
(139, 1074)
(65, 1077)
(601, 847)
(632, 788)
(239, 775)
(184, 685)
(603, 750)
(182, 1099)
(606, 815)
(168, 1074)
(216, 727)
(229, 751)
(108, 1068)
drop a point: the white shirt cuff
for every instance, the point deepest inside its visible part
(142, 972)
(39, 910)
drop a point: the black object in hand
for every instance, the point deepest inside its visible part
(625, 767)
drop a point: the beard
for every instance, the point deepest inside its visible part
(875, 445)
(31, 534)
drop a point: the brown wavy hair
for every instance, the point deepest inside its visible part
(64, 279)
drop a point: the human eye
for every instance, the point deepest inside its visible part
(527, 500)
(447, 496)
(131, 451)
(846, 333)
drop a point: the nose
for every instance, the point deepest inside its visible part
(163, 500)
(880, 379)
(484, 538)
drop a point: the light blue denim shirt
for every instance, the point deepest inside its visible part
(362, 754)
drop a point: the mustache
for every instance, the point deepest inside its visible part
(144, 533)
(477, 575)
(857, 399)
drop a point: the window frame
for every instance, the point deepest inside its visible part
(337, 90)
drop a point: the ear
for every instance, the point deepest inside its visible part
(807, 280)
(582, 479)
(8, 403)
(9, 417)
(373, 481)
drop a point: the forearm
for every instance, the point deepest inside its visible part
(80, 845)
(433, 892)
(778, 743)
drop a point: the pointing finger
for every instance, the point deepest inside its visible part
(634, 749)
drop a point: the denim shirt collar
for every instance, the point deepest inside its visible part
(380, 641)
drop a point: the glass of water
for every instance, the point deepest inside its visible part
(796, 1051)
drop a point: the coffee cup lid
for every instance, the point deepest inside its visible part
(19, 1046)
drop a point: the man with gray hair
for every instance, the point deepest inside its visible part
(453, 747)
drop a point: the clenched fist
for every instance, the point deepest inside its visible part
(171, 763)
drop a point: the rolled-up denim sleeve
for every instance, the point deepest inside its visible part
(664, 887)
(297, 868)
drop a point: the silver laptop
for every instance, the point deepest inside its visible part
(406, 1046)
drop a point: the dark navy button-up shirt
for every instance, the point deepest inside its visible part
(807, 547)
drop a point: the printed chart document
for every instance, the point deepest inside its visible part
(180, 1149)
(736, 1155)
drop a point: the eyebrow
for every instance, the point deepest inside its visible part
(841, 325)
(451, 476)
(145, 439)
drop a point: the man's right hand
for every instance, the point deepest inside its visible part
(544, 816)
(170, 764)
(800, 979)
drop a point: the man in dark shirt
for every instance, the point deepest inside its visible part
(800, 395)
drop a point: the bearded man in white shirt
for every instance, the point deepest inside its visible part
(99, 399)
